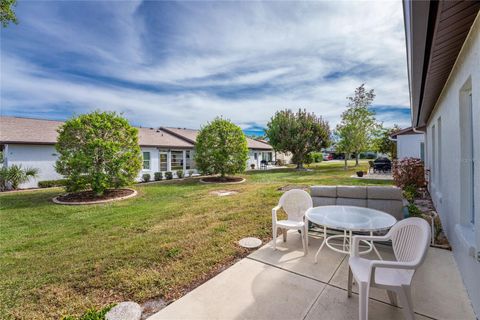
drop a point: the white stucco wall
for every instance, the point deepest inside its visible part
(444, 161)
(408, 145)
(260, 156)
(42, 157)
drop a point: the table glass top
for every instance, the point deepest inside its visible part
(350, 218)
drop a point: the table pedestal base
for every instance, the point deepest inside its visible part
(345, 246)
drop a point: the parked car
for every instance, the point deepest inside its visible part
(327, 157)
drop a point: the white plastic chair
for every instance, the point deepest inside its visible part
(410, 241)
(295, 203)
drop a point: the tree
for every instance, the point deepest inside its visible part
(298, 133)
(99, 151)
(383, 143)
(358, 124)
(14, 175)
(221, 148)
(7, 14)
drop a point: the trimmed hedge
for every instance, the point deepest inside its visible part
(146, 177)
(52, 183)
(157, 176)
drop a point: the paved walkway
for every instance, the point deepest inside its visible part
(283, 284)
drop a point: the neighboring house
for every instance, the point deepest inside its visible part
(258, 150)
(443, 54)
(31, 143)
(410, 143)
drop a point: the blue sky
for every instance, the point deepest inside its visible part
(183, 63)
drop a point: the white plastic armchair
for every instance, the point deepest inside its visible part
(410, 241)
(295, 203)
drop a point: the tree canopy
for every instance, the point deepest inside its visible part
(298, 133)
(7, 14)
(383, 143)
(221, 148)
(98, 151)
(358, 124)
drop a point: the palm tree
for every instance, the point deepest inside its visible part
(15, 175)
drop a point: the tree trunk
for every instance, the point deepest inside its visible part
(357, 155)
(300, 166)
(346, 159)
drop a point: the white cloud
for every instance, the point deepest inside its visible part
(240, 60)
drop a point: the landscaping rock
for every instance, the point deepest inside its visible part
(128, 310)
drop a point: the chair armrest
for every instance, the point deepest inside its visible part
(274, 213)
(357, 239)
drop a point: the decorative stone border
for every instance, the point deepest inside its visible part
(236, 182)
(57, 201)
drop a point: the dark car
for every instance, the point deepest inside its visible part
(382, 164)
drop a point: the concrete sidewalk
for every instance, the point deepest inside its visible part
(284, 284)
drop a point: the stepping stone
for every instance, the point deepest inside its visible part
(128, 310)
(250, 242)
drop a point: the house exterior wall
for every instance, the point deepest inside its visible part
(409, 145)
(444, 139)
(42, 157)
(256, 156)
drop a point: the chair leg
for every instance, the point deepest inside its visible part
(306, 236)
(350, 282)
(406, 300)
(274, 234)
(302, 233)
(363, 301)
(392, 296)
(284, 235)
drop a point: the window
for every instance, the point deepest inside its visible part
(434, 157)
(163, 161)
(146, 161)
(439, 150)
(177, 160)
(269, 156)
(422, 151)
(255, 156)
(467, 153)
(187, 160)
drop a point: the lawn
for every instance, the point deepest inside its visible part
(57, 260)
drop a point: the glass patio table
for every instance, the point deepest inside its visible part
(349, 219)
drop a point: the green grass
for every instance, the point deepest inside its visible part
(57, 260)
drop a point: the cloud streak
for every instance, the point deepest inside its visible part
(181, 64)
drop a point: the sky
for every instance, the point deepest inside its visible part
(181, 64)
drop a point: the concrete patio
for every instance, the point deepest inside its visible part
(285, 284)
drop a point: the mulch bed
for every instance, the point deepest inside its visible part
(88, 196)
(222, 180)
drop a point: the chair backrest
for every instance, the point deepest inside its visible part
(410, 240)
(296, 202)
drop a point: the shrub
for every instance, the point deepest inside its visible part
(98, 150)
(14, 175)
(409, 172)
(158, 176)
(221, 148)
(190, 173)
(92, 314)
(52, 183)
(316, 157)
(146, 177)
(179, 174)
(410, 192)
(413, 210)
(168, 175)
